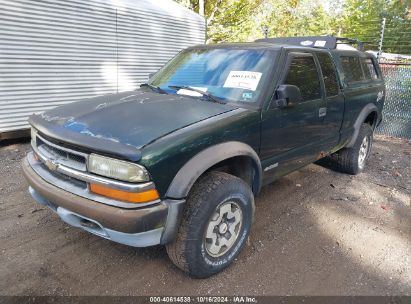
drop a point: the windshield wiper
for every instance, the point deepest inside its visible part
(206, 94)
(154, 88)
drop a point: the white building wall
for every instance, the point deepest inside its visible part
(54, 52)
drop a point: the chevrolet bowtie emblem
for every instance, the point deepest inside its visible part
(52, 164)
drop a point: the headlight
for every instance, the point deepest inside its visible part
(117, 169)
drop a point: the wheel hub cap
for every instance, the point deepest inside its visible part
(223, 229)
(362, 155)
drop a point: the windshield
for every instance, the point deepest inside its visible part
(231, 75)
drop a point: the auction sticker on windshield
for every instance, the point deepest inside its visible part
(243, 80)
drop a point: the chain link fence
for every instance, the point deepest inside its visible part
(397, 108)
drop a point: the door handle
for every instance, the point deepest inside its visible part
(322, 112)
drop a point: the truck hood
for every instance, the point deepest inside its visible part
(125, 122)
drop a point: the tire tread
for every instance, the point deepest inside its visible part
(346, 160)
(176, 250)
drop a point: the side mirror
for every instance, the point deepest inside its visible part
(287, 95)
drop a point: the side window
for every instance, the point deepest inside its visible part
(303, 74)
(352, 69)
(329, 74)
(369, 68)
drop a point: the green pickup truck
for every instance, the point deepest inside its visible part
(179, 161)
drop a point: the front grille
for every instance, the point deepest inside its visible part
(62, 155)
(67, 179)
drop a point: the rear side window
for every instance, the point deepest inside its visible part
(369, 68)
(329, 74)
(352, 69)
(303, 74)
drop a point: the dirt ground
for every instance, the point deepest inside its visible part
(317, 232)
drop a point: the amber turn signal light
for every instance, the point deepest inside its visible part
(132, 197)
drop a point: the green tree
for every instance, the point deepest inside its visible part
(361, 19)
(297, 18)
(242, 20)
(227, 20)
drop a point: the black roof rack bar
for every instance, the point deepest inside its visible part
(328, 42)
(359, 43)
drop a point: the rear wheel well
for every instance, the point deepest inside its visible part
(239, 166)
(371, 119)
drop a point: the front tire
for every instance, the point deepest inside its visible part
(215, 225)
(353, 160)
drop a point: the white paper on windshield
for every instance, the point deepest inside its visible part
(192, 93)
(243, 80)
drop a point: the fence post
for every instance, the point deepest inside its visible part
(381, 39)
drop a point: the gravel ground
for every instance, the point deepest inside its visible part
(317, 232)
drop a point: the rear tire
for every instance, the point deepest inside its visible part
(353, 160)
(216, 223)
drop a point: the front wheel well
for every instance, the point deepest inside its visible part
(241, 167)
(236, 158)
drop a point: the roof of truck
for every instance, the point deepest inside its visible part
(327, 42)
(267, 44)
(252, 46)
(239, 45)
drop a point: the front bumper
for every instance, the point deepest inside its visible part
(140, 227)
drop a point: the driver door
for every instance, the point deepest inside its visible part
(291, 135)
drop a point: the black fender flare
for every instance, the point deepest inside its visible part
(369, 108)
(201, 162)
